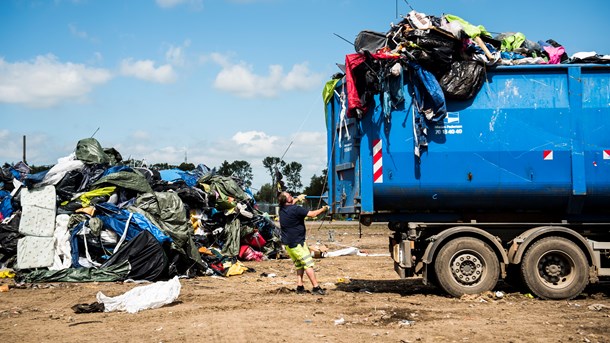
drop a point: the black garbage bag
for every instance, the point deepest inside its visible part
(91, 173)
(436, 60)
(9, 235)
(68, 186)
(6, 179)
(146, 257)
(463, 80)
(370, 41)
(429, 39)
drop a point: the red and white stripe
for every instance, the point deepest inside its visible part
(377, 162)
(606, 154)
(547, 155)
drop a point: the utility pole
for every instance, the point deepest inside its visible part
(24, 160)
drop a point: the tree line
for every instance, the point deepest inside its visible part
(286, 173)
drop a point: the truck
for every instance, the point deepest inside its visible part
(512, 184)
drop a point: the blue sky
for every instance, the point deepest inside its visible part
(215, 79)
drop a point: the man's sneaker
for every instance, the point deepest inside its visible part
(318, 290)
(300, 289)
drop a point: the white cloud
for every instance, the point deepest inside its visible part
(45, 82)
(254, 143)
(145, 70)
(301, 78)
(308, 148)
(196, 5)
(241, 80)
(41, 149)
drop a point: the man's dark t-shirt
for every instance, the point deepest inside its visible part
(292, 223)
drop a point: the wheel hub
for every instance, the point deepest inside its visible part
(467, 268)
(552, 268)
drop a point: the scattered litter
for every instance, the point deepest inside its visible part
(340, 321)
(406, 322)
(352, 251)
(143, 297)
(270, 275)
(598, 307)
(87, 322)
(6, 273)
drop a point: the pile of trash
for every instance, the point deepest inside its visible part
(448, 49)
(434, 60)
(92, 218)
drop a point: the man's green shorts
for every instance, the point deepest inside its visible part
(301, 256)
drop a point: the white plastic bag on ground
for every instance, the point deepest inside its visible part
(343, 252)
(142, 298)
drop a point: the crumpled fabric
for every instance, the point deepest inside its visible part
(393, 87)
(471, 30)
(143, 297)
(125, 179)
(89, 150)
(429, 103)
(231, 238)
(354, 102)
(117, 272)
(511, 41)
(236, 268)
(166, 210)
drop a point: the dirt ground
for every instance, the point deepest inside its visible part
(366, 302)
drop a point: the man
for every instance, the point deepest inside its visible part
(292, 224)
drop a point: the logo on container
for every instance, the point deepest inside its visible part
(450, 126)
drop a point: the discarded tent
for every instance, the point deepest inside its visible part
(92, 218)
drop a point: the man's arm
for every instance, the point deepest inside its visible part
(317, 212)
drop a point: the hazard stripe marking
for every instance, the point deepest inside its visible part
(547, 155)
(377, 162)
(606, 154)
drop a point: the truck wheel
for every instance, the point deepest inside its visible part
(466, 265)
(555, 268)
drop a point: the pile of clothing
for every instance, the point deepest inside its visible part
(434, 59)
(92, 218)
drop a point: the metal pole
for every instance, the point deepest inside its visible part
(24, 145)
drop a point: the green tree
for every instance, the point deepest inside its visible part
(266, 194)
(271, 163)
(292, 174)
(186, 166)
(317, 185)
(239, 169)
(225, 169)
(161, 166)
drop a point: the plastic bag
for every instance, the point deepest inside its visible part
(370, 41)
(143, 297)
(463, 80)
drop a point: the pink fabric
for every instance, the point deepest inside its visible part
(554, 54)
(254, 240)
(246, 253)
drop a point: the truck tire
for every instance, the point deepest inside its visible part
(555, 268)
(466, 265)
